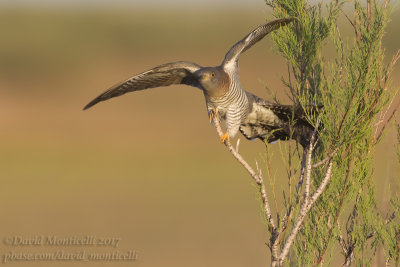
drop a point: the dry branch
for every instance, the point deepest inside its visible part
(255, 175)
(308, 200)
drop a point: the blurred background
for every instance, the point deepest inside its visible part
(147, 167)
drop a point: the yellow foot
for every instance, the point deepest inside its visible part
(225, 137)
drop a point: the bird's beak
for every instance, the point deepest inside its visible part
(203, 77)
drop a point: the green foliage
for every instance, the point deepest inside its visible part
(300, 44)
(389, 230)
(398, 140)
(353, 87)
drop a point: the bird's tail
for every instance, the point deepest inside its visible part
(303, 129)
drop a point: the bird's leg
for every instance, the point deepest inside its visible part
(214, 117)
(213, 114)
(225, 137)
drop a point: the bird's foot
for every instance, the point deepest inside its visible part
(225, 137)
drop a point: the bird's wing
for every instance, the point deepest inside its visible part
(292, 124)
(285, 112)
(171, 73)
(256, 35)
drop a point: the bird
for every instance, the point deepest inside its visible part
(241, 110)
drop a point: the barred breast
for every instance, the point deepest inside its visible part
(233, 107)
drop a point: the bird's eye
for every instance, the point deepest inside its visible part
(212, 74)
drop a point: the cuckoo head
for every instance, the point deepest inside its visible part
(214, 81)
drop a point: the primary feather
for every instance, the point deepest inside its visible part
(180, 72)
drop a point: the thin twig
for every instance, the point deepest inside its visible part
(387, 262)
(302, 168)
(341, 240)
(326, 159)
(308, 171)
(383, 115)
(337, 214)
(349, 259)
(256, 176)
(289, 172)
(369, 14)
(303, 212)
(272, 183)
(237, 145)
(322, 186)
(373, 233)
(308, 202)
(355, 22)
(378, 137)
(347, 17)
(341, 54)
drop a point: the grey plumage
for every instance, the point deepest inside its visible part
(270, 121)
(253, 37)
(253, 116)
(180, 72)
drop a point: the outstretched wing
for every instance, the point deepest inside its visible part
(256, 35)
(181, 72)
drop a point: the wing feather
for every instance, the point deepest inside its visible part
(249, 40)
(284, 112)
(181, 72)
(292, 121)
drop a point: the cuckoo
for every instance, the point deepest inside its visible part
(242, 111)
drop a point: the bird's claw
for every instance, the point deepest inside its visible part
(225, 137)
